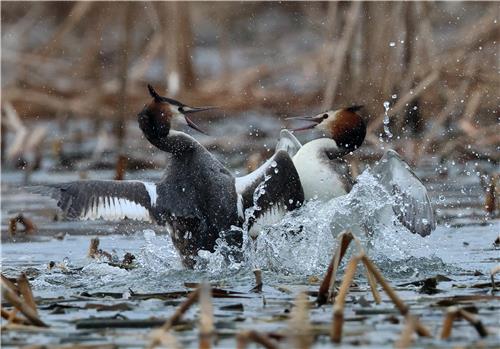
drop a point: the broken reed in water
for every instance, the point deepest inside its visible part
(326, 290)
(299, 328)
(245, 337)
(206, 322)
(299, 325)
(21, 297)
(157, 334)
(258, 281)
(453, 313)
(338, 306)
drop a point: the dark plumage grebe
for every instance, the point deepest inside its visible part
(197, 199)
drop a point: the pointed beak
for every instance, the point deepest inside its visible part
(191, 110)
(315, 119)
(193, 125)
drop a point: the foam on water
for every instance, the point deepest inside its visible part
(158, 253)
(303, 242)
(300, 245)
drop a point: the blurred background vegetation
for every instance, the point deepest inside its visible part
(435, 63)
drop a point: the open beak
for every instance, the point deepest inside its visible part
(191, 110)
(315, 119)
(193, 125)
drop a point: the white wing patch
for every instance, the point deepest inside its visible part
(242, 183)
(115, 209)
(151, 189)
(272, 216)
(288, 142)
(239, 205)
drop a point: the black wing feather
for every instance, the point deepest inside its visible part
(76, 199)
(273, 187)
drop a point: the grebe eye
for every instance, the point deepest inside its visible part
(325, 116)
(181, 109)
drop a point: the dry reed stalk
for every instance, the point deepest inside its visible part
(484, 31)
(126, 48)
(329, 35)
(93, 248)
(29, 226)
(465, 123)
(340, 54)
(9, 284)
(243, 338)
(149, 54)
(22, 306)
(206, 324)
(13, 121)
(489, 201)
(157, 334)
(493, 272)
(344, 239)
(299, 326)
(373, 285)
(12, 227)
(79, 106)
(451, 315)
(178, 42)
(95, 252)
(25, 289)
(121, 167)
(406, 335)
(449, 109)
(258, 281)
(369, 276)
(11, 317)
(338, 307)
(407, 98)
(474, 321)
(77, 13)
(402, 307)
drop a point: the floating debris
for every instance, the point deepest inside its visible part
(326, 288)
(121, 167)
(453, 313)
(246, 337)
(258, 281)
(299, 326)
(96, 253)
(493, 272)
(338, 306)
(206, 322)
(28, 225)
(157, 336)
(407, 333)
(25, 305)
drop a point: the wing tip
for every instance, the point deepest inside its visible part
(44, 190)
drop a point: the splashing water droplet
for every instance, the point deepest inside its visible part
(387, 130)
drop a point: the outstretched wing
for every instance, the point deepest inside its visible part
(288, 142)
(270, 191)
(412, 205)
(108, 200)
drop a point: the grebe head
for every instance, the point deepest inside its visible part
(158, 115)
(344, 126)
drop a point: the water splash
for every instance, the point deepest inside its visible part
(387, 121)
(158, 253)
(302, 243)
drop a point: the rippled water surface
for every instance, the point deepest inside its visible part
(293, 256)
